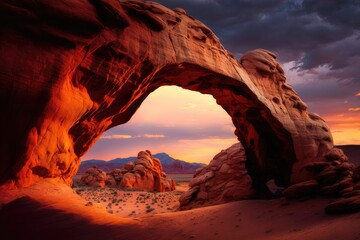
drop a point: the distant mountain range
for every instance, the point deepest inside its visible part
(170, 165)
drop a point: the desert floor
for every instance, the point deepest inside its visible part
(132, 203)
(55, 211)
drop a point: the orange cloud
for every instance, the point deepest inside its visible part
(116, 136)
(119, 136)
(354, 109)
(358, 94)
(151, 136)
(189, 106)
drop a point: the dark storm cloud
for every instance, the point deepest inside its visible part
(337, 55)
(310, 33)
(287, 27)
(314, 91)
(344, 13)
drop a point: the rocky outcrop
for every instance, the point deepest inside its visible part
(335, 177)
(225, 179)
(169, 164)
(94, 177)
(145, 173)
(70, 70)
(348, 187)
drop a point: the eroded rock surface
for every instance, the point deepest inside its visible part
(145, 173)
(94, 177)
(225, 179)
(70, 70)
(335, 177)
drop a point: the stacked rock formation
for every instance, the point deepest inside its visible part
(336, 176)
(94, 177)
(225, 179)
(145, 173)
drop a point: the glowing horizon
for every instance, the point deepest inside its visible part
(187, 125)
(190, 126)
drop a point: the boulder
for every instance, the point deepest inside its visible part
(147, 174)
(225, 179)
(128, 180)
(347, 205)
(110, 181)
(302, 189)
(94, 177)
(336, 154)
(129, 166)
(117, 174)
(356, 175)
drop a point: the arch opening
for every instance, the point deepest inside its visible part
(175, 124)
(268, 145)
(185, 124)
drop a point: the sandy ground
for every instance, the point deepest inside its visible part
(130, 204)
(53, 211)
(133, 203)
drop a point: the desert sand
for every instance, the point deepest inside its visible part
(53, 211)
(130, 203)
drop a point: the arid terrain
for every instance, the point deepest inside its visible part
(132, 203)
(84, 212)
(62, 214)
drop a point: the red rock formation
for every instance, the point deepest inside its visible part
(94, 177)
(70, 70)
(145, 173)
(225, 179)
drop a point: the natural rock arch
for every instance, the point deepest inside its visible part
(73, 69)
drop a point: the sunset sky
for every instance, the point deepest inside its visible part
(318, 44)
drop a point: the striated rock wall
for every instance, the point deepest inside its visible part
(70, 70)
(145, 173)
(225, 179)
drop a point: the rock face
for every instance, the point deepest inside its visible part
(335, 177)
(145, 173)
(70, 70)
(94, 177)
(225, 179)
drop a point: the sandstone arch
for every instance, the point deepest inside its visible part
(74, 69)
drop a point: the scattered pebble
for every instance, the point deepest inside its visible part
(122, 202)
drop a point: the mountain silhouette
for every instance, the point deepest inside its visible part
(170, 165)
